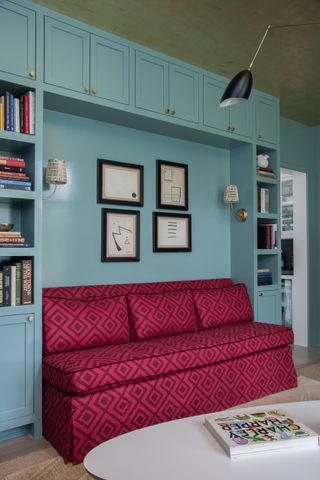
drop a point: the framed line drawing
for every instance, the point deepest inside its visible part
(119, 183)
(120, 235)
(172, 185)
(171, 232)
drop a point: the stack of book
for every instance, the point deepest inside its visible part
(13, 173)
(12, 239)
(16, 284)
(268, 234)
(263, 199)
(264, 276)
(17, 114)
(266, 172)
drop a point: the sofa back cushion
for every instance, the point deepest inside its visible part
(159, 314)
(222, 306)
(72, 324)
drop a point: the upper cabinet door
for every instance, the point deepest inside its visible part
(184, 93)
(17, 40)
(66, 56)
(151, 83)
(213, 115)
(266, 118)
(109, 70)
(241, 118)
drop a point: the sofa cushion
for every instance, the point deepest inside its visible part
(159, 314)
(73, 324)
(100, 368)
(222, 306)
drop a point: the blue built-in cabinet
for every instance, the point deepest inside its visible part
(18, 50)
(75, 68)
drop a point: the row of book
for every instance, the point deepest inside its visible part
(268, 235)
(13, 173)
(263, 199)
(264, 276)
(17, 114)
(16, 283)
(12, 239)
(266, 172)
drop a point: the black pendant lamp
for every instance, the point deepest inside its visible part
(239, 88)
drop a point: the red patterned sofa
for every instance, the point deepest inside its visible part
(120, 357)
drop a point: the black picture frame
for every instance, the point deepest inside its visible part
(125, 176)
(120, 230)
(176, 196)
(168, 228)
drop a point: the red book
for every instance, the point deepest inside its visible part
(26, 117)
(12, 163)
(266, 169)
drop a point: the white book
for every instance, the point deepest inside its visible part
(264, 200)
(242, 432)
(32, 114)
(17, 115)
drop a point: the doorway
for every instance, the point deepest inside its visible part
(294, 254)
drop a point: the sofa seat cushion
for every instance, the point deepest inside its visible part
(99, 368)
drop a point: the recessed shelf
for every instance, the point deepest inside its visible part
(266, 180)
(15, 141)
(18, 309)
(268, 251)
(263, 288)
(269, 216)
(17, 252)
(12, 196)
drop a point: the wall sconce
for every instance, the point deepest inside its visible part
(56, 174)
(231, 196)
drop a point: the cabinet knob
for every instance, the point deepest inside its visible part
(32, 73)
(94, 91)
(30, 318)
(232, 129)
(173, 112)
(260, 294)
(167, 110)
(259, 135)
(229, 128)
(87, 88)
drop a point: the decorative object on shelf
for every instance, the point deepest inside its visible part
(171, 232)
(56, 174)
(6, 227)
(239, 88)
(231, 196)
(263, 160)
(120, 183)
(120, 235)
(172, 185)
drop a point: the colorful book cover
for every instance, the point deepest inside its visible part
(11, 112)
(2, 112)
(258, 431)
(26, 281)
(26, 115)
(6, 286)
(7, 111)
(15, 182)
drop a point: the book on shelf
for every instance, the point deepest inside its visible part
(243, 432)
(9, 239)
(268, 235)
(264, 276)
(16, 283)
(263, 199)
(17, 113)
(13, 173)
(265, 174)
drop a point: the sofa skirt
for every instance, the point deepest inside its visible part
(74, 424)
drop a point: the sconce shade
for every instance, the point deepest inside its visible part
(238, 90)
(231, 194)
(56, 173)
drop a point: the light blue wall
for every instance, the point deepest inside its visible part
(72, 218)
(299, 151)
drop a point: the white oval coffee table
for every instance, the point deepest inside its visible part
(185, 450)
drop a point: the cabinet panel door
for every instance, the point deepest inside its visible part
(213, 115)
(16, 372)
(266, 119)
(151, 83)
(17, 39)
(241, 116)
(269, 307)
(184, 93)
(109, 69)
(66, 55)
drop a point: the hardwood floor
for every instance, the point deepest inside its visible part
(304, 356)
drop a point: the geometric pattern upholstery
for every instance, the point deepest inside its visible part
(73, 324)
(159, 314)
(94, 369)
(222, 306)
(74, 424)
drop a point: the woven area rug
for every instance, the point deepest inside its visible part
(46, 464)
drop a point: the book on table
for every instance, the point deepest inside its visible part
(241, 432)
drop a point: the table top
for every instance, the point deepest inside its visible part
(184, 450)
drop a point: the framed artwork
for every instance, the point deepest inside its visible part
(172, 185)
(171, 232)
(120, 183)
(120, 235)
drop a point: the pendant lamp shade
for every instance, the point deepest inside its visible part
(238, 89)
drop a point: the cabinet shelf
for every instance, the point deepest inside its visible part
(267, 251)
(19, 309)
(17, 252)
(270, 181)
(10, 196)
(263, 288)
(16, 141)
(269, 216)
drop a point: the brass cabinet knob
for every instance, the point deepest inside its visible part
(232, 129)
(167, 110)
(173, 112)
(94, 91)
(32, 73)
(229, 128)
(30, 318)
(260, 294)
(87, 88)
